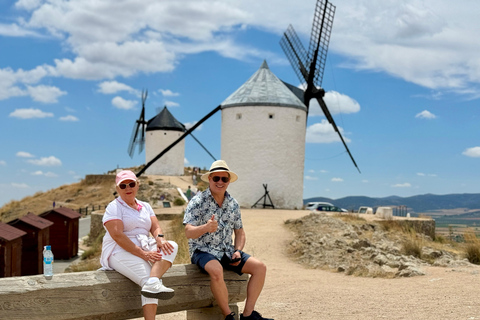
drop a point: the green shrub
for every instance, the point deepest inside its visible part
(178, 202)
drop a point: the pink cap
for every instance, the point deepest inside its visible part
(125, 175)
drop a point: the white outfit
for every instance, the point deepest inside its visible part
(136, 226)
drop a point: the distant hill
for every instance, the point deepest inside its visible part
(419, 203)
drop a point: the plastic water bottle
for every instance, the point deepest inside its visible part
(48, 262)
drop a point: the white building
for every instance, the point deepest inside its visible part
(263, 140)
(163, 130)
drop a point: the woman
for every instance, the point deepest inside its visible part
(127, 247)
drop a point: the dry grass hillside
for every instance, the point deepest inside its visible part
(93, 192)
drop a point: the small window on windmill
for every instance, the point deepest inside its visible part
(271, 116)
(164, 133)
(239, 116)
(297, 118)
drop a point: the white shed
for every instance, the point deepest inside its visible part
(263, 140)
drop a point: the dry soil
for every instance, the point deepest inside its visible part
(294, 292)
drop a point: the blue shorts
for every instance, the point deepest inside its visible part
(201, 258)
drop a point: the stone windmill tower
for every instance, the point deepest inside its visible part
(161, 131)
(263, 140)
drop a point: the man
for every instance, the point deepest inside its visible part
(211, 218)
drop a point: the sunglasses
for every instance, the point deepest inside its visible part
(217, 178)
(131, 185)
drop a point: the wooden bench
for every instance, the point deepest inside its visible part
(109, 295)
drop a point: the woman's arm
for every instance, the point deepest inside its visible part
(115, 229)
(162, 242)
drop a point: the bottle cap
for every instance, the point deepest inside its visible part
(49, 248)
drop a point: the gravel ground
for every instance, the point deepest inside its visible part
(294, 292)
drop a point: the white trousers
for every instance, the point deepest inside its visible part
(137, 269)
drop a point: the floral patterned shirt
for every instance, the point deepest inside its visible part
(200, 209)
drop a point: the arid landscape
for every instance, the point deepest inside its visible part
(330, 267)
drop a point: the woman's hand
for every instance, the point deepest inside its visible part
(164, 245)
(152, 256)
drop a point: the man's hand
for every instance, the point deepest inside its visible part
(212, 224)
(236, 255)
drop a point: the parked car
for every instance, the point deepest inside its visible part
(312, 206)
(331, 208)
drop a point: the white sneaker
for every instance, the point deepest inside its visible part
(157, 291)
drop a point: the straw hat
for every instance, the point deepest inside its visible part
(220, 166)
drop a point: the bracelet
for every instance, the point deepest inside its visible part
(237, 250)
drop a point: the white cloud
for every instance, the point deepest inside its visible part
(402, 185)
(3, 163)
(472, 152)
(28, 4)
(68, 118)
(30, 114)
(337, 180)
(189, 125)
(46, 161)
(425, 42)
(20, 185)
(323, 132)
(425, 114)
(310, 178)
(365, 181)
(169, 93)
(14, 30)
(336, 103)
(23, 154)
(120, 103)
(421, 174)
(45, 94)
(171, 104)
(110, 87)
(185, 161)
(46, 174)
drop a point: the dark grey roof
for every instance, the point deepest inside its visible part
(165, 121)
(264, 89)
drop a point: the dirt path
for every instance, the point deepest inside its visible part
(294, 292)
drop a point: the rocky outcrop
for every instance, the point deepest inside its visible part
(356, 247)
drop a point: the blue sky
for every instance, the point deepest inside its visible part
(402, 81)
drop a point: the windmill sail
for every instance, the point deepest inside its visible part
(138, 133)
(309, 66)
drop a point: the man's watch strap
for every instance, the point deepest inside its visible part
(160, 235)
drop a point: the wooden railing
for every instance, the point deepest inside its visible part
(109, 295)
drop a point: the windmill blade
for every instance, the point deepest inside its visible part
(138, 134)
(295, 52)
(329, 117)
(319, 40)
(173, 144)
(203, 147)
(133, 140)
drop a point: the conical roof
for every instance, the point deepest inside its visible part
(165, 121)
(264, 89)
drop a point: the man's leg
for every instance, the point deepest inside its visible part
(218, 286)
(258, 272)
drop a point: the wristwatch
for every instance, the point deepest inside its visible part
(160, 235)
